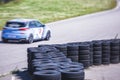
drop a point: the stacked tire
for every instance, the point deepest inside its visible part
(74, 71)
(34, 53)
(97, 52)
(72, 52)
(61, 48)
(47, 75)
(119, 49)
(91, 53)
(115, 51)
(60, 61)
(84, 55)
(31, 51)
(44, 68)
(106, 52)
(48, 63)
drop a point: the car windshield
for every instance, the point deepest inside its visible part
(15, 24)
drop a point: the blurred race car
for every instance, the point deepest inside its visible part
(26, 30)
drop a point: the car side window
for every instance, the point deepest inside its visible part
(38, 24)
(32, 24)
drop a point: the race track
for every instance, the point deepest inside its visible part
(102, 25)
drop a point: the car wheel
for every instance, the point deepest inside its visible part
(30, 39)
(48, 35)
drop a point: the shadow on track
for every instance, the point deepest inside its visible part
(10, 42)
(22, 75)
(13, 42)
(1, 42)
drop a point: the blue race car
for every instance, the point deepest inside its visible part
(25, 30)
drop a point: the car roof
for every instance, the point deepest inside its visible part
(22, 20)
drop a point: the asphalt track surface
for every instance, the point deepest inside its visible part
(98, 26)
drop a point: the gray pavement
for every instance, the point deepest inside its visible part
(102, 25)
(102, 72)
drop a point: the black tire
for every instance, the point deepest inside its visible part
(42, 60)
(97, 56)
(97, 61)
(51, 67)
(32, 50)
(56, 55)
(105, 61)
(106, 52)
(47, 75)
(37, 65)
(106, 43)
(114, 59)
(38, 56)
(105, 47)
(84, 57)
(97, 48)
(86, 63)
(73, 58)
(115, 43)
(57, 59)
(97, 52)
(72, 47)
(84, 52)
(76, 65)
(106, 55)
(115, 48)
(84, 47)
(72, 53)
(115, 53)
(63, 65)
(91, 58)
(48, 35)
(62, 48)
(97, 43)
(72, 74)
(45, 50)
(30, 39)
(74, 43)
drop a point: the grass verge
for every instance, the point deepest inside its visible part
(51, 10)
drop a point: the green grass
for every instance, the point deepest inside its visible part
(51, 10)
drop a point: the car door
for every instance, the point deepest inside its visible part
(33, 31)
(38, 30)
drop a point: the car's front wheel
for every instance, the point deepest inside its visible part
(30, 39)
(48, 35)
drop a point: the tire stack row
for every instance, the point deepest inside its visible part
(80, 52)
(60, 61)
(115, 51)
(34, 53)
(62, 48)
(72, 52)
(84, 55)
(91, 52)
(97, 52)
(48, 63)
(106, 52)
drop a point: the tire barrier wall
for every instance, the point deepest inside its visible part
(46, 62)
(64, 61)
